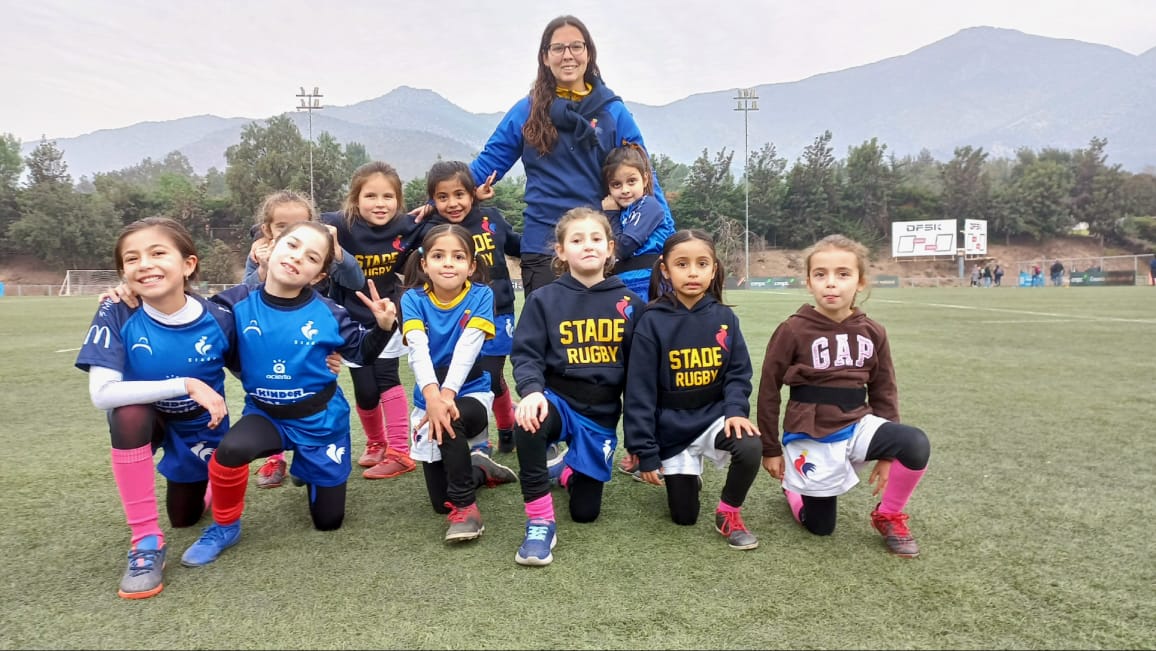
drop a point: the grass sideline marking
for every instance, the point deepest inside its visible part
(1068, 317)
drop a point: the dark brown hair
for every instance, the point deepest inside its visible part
(415, 276)
(171, 227)
(539, 130)
(360, 176)
(662, 289)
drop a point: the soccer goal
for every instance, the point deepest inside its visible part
(88, 281)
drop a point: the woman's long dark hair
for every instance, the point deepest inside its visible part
(539, 131)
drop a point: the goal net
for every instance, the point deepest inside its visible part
(88, 281)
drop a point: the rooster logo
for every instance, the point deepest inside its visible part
(802, 465)
(202, 450)
(625, 309)
(335, 453)
(308, 330)
(203, 346)
(465, 319)
(398, 244)
(723, 338)
(487, 226)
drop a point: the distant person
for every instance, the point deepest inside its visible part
(1152, 270)
(843, 409)
(1036, 273)
(975, 275)
(154, 400)
(640, 223)
(679, 413)
(562, 132)
(997, 275)
(987, 277)
(1057, 271)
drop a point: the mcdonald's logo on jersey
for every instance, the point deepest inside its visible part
(95, 333)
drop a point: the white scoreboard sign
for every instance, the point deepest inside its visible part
(932, 237)
(975, 236)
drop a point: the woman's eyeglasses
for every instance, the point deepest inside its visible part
(576, 48)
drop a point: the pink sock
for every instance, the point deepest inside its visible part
(565, 478)
(900, 485)
(396, 409)
(541, 508)
(504, 410)
(723, 507)
(133, 472)
(373, 423)
(795, 501)
(279, 456)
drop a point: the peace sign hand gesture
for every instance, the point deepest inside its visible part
(384, 311)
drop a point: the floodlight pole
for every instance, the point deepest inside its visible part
(310, 102)
(746, 101)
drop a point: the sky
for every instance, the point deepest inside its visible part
(73, 67)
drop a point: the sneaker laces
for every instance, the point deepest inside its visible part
(537, 532)
(732, 521)
(269, 467)
(142, 561)
(458, 515)
(896, 524)
(374, 446)
(216, 533)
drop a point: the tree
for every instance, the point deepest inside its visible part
(216, 264)
(267, 159)
(1040, 198)
(708, 193)
(966, 189)
(46, 165)
(329, 175)
(11, 162)
(811, 204)
(65, 228)
(671, 175)
(766, 171)
(509, 199)
(414, 194)
(867, 193)
(1097, 191)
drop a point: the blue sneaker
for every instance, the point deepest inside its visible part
(215, 539)
(484, 447)
(145, 574)
(541, 536)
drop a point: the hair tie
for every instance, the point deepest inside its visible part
(421, 251)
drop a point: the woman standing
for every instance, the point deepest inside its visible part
(562, 132)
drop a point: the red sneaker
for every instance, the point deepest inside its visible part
(271, 474)
(465, 523)
(394, 464)
(893, 527)
(374, 454)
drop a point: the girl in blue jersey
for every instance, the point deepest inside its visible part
(373, 229)
(640, 223)
(569, 362)
(449, 313)
(278, 211)
(562, 133)
(285, 330)
(158, 369)
(451, 191)
(690, 388)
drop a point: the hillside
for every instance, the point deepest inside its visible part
(1082, 251)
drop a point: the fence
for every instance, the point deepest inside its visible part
(1137, 264)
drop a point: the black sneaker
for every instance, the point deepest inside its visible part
(505, 441)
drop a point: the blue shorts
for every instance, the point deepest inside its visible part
(590, 445)
(637, 281)
(503, 340)
(188, 444)
(322, 458)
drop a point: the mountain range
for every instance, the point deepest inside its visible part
(988, 87)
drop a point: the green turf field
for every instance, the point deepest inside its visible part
(1035, 519)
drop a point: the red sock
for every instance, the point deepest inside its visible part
(229, 486)
(373, 422)
(504, 409)
(133, 472)
(396, 409)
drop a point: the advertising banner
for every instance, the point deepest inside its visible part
(923, 238)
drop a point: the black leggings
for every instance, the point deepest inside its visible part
(682, 491)
(134, 426)
(496, 365)
(537, 271)
(903, 443)
(254, 437)
(372, 380)
(454, 479)
(585, 491)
